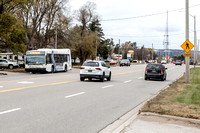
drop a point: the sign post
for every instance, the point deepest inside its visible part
(187, 46)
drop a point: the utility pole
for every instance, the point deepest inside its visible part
(187, 59)
(152, 51)
(56, 40)
(195, 42)
(118, 50)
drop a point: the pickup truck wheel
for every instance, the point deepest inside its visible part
(10, 66)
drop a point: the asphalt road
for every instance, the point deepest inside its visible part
(60, 103)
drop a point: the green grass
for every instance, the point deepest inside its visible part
(191, 94)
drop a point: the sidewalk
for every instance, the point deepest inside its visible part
(155, 123)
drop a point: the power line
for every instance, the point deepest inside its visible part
(148, 36)
(149, 15)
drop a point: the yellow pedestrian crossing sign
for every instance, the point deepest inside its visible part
(187, 46)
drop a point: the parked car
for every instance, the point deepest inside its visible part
(163, 62)
(125, 62)
(95, 69)
(113, 62)
(178, 62)
(155, 71)
(4, 63)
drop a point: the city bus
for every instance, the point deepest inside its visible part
(48, 60)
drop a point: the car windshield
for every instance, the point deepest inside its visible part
(91, 64)
(178, 61)
(35, 59)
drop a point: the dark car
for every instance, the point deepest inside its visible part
(178, 62)
(125, 63)
(157, 71)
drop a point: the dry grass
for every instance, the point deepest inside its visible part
(166, 103)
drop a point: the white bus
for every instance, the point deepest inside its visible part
(48, 60)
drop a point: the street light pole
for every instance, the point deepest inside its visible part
(187, 59)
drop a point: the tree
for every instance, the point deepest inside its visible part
(83, 46)
(12, 35)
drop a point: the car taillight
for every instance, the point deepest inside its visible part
(98, 69)
(82, 68)
(161, 70)
(146, 70)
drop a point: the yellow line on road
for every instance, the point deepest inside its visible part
(16, 89)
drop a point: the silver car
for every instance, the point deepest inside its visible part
(95, 69)
(4, 63)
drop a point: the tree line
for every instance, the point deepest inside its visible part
(32, 24)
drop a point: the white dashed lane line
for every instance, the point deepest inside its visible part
(140, 78)
(107, 86)
(127, 81)
(73, 95)
(9, 111)
(1, 86)
(25, 82)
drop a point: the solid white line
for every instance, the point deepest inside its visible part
(127, 81)
(107, 86)
(140, 78)
(8, 111)
(74, 95)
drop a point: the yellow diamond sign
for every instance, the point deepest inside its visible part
(187, 46)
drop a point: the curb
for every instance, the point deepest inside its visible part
(176, 118)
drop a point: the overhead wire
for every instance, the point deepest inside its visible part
(148, 15)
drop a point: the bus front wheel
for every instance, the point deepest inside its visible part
(65, 68)
(52, 69)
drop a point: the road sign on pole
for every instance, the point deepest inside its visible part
(187, 54)
(187, 46)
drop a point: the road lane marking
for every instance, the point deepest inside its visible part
(25, 82)
(36, 78)
(1, 86)
(127, 81)
(75, 94)
(140, 78)
(15, 89)
(107, 86)
(8, 111)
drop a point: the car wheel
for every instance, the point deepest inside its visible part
(33, 72)
(163, 78)
(109, 78)
(103, 76)
(145, 78)
(82, 79)
(10, 66)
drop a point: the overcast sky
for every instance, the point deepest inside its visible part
(145, 30)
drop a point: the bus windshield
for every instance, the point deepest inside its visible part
(35, 59)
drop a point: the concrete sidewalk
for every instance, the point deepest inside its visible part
(155, 123)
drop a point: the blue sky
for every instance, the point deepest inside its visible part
(149, 29)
